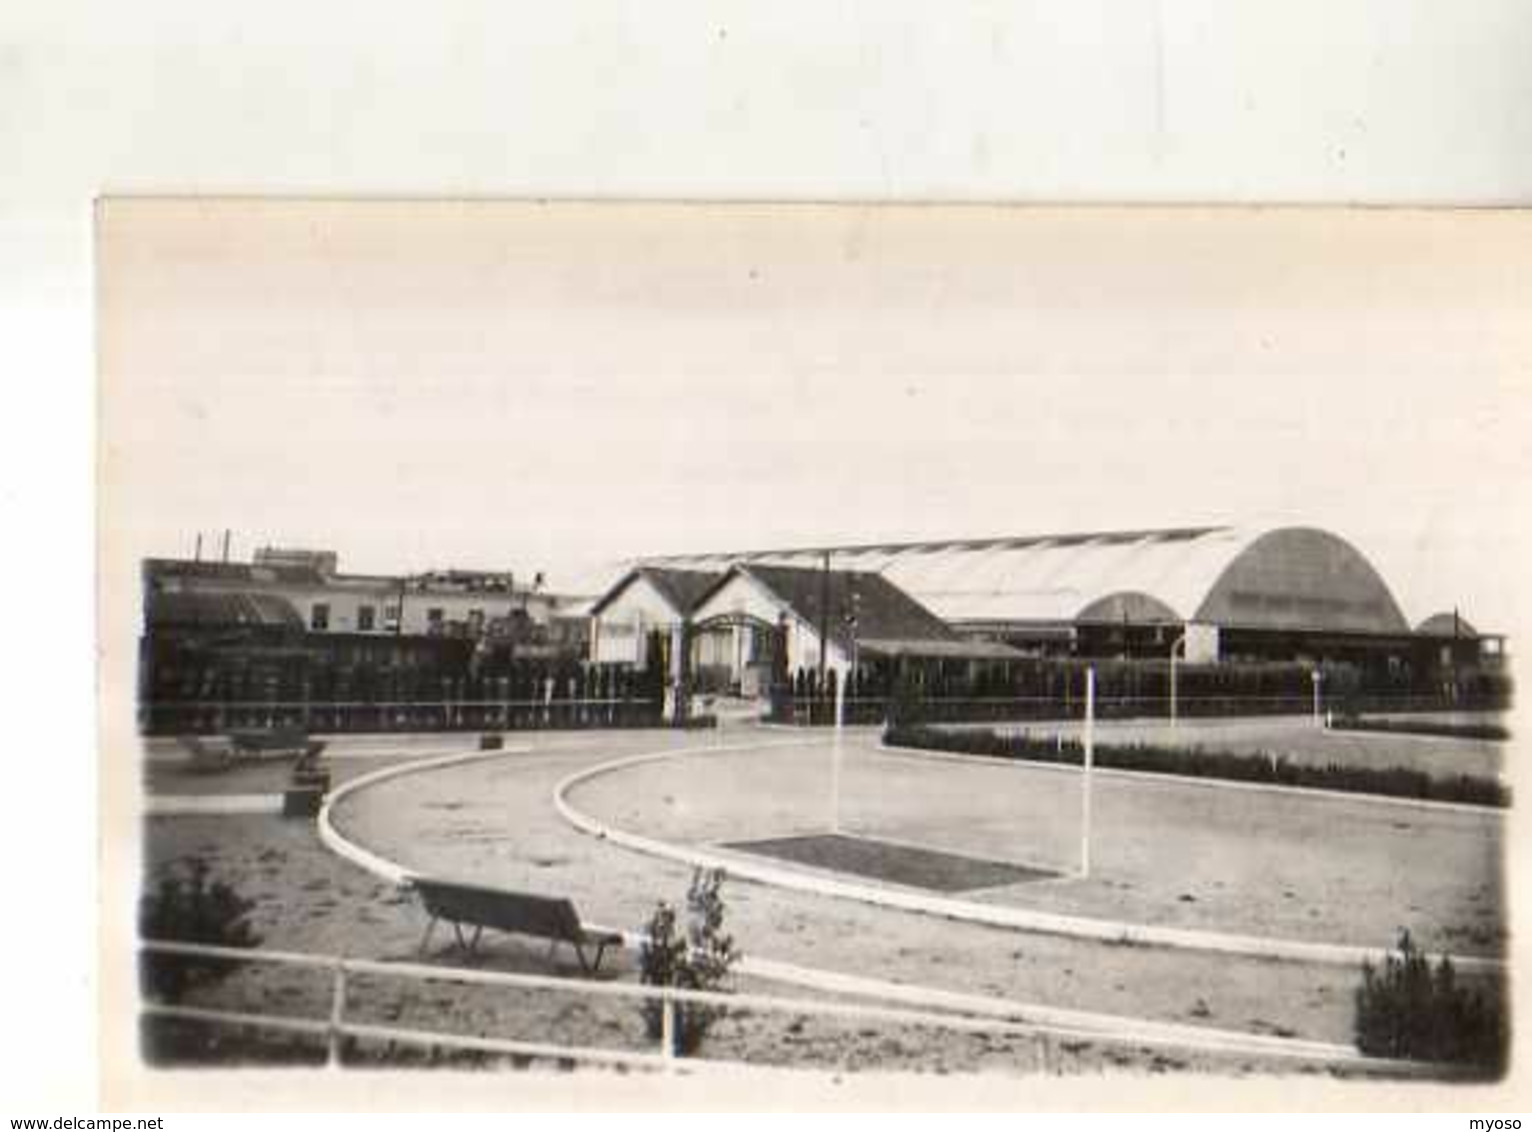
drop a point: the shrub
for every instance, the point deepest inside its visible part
(490, 742)
(698, 960)
(186, 908)
(904, 705)
(1409, 1009)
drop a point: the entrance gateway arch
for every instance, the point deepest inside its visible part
(734, 650)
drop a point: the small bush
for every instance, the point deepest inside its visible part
(488, 742)
(1409, 1009)
(186, 908)
(698, 960)
(904, 705)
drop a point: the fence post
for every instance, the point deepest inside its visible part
(1087, 760)
(337, 1011)
(667, 1027)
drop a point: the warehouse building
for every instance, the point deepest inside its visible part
(1209, 593)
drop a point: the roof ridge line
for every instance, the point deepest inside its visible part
(1195, 531)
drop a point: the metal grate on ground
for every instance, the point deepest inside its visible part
(908, 865)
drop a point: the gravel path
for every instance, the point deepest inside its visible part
(492, 821)
(1283, 863)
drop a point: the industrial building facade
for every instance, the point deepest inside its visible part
(1245, 613)
(1216, 593)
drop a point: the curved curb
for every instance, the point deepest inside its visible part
(1064, 1022)
(1061, 1022)
(1119, 932)
(342, 846)
(1300, 792)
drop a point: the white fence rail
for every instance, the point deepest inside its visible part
(336, 1028)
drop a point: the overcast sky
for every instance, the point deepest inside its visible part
(557, 387)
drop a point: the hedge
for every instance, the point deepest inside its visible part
(1492, 731)
(1195, 762)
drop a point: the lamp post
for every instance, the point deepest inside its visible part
(1087, 764)
(1177, 645)
(849, 620)
(1316, 678)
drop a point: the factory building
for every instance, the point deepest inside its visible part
(1215, 593)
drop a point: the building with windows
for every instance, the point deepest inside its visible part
(641, 620)
(839, 619)
(439, 603)
(289, 627)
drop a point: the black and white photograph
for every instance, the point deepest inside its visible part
(810, 647)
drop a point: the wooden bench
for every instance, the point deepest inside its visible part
(220, 752)
(520, 913)
(208, 755)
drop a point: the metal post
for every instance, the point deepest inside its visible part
(1085, 770)
(1175, 645)
(667, 1026)
(337, 1011)
(835, 755)
(1315, 678)
(824, 621)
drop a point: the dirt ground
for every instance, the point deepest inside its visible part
(493, 821)
(309, 900)
(1284, 863)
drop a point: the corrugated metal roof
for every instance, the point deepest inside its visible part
(1446, 625)
(1285, 578)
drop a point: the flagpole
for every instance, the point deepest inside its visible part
(1085, 772)
(840, 719)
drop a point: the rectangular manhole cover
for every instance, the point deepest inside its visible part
(907, 865)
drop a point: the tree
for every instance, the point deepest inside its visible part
(1408, 1009)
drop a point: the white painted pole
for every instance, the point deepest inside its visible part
(1315, 678)
(1085, 770)
(835, 757)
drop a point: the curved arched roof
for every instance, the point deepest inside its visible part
(1282, 578)
(1446, 625)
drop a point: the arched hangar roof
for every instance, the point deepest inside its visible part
(1446, 625)
(1264, 578)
